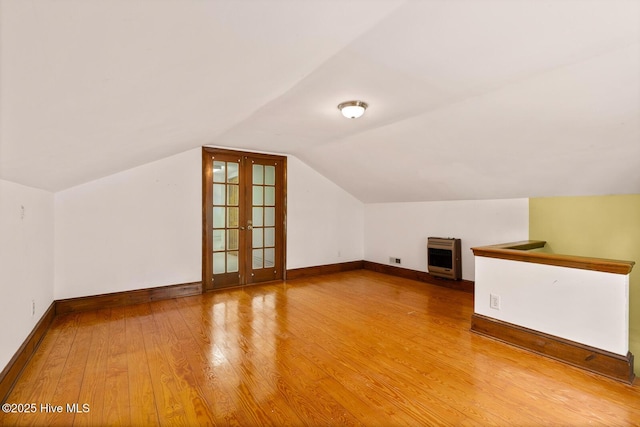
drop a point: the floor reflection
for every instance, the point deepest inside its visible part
(245, 327)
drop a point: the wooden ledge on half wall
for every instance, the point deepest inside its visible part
(519, 251)
(508, 328)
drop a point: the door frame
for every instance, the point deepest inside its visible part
(207, 214)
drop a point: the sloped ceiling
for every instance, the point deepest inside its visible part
(469, 99)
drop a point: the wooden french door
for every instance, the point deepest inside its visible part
(243, 218)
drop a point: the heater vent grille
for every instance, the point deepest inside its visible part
(443, 257)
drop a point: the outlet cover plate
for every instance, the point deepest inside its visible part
(494, 301)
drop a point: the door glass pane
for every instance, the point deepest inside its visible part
(218, 194)
(257, 258)
(232, 195)
(218, 217)
(232, 172)
(270, 175)
(257, 195)
(218, 262)
(232, 262)
(233, 220)
(218, 240)
(225, 233)
(232, 242)
(270, 216)
(257, 217)
(270, 236)
(218, 171)
(269, 257)
(257, 238)
(258, 174)
(270, 196)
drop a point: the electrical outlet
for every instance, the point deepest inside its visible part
(494, 301)
(33, 307)
(394, 260)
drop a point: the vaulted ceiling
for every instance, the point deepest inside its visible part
(469, 99)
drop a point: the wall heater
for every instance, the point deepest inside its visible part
(443, 257)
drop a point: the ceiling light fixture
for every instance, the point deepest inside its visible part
(352, 109)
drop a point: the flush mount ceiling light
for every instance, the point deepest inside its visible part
(352, 109)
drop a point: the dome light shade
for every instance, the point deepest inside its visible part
(352, 109)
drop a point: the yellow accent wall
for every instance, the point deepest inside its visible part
(595, 226)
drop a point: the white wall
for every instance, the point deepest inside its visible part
(401, 230)
(135, 229)
(325, 224)
(589, 307)
(26, 263)
(143, 227)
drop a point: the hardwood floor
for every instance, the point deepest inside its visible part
(353, 348)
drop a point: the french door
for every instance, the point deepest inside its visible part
(243, 218)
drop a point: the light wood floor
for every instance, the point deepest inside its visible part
(355, 348)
